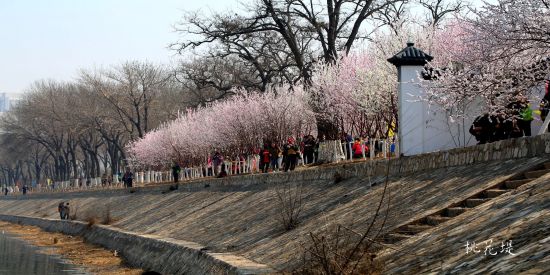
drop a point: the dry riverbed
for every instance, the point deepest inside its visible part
(94, 259)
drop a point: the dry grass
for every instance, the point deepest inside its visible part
(94, 258)
(99, 216)
(91, 220)
(107, 217)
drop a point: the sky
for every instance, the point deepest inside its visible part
(54, 39)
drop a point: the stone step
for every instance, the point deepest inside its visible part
(536, 174)
(436, 220)
(412, 229)
(392, 238)
(454, 211)
(493, 193)
(513, 184)
(471, 203)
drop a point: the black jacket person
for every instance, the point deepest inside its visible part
(482, 129)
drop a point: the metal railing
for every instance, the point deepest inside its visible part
(370, 149)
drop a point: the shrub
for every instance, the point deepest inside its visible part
(91, 220)
(338, 251)
(107, 218)
(290, 200)
(102, 216)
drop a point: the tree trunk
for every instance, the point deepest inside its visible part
(327, 129)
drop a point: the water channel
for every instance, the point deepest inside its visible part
(20, 258)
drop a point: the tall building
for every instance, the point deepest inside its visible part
(7, 101)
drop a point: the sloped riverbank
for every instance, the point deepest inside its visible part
(237, 220)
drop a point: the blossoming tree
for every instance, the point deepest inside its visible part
(235, 126)
(505, 50)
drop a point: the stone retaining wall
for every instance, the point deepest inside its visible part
(149, 252)
(525, 147)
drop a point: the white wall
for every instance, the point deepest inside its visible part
(424, 128)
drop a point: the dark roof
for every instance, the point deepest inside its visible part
(410, 56)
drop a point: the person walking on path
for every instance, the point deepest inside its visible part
(128, 178)
(67, 211)
(291, 153)
(357, 149)
(61, 209)
(525, 117)
(274, 152)
(176, 172)
(265, 156)
(309, 149)
(217, 161)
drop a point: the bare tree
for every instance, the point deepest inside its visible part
(131, 89)
(307, 28)
(437, 10)
(394, 15)
(281, 40)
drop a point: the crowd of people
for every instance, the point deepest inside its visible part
(271, 158)
(15, 189)
(274, 157)
(511, 122)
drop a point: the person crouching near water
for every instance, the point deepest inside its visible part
(64, 210)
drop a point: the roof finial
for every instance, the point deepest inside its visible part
(409, 41)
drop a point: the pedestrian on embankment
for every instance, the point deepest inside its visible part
(67, 211)
(291, 151)
(265, 157)
(274, 153)
(61, 209)
(217, 160)
(309, 149)
(128, 178)
(176, 172)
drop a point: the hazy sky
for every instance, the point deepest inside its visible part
(53, 39)
(42, 39)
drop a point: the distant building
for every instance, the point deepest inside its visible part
(7, 101)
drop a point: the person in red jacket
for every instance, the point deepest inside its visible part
(265, 156)
(357, 148)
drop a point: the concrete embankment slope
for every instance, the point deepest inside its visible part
(240, 215)
(521, 216)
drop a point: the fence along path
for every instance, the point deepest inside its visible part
(329, 151)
